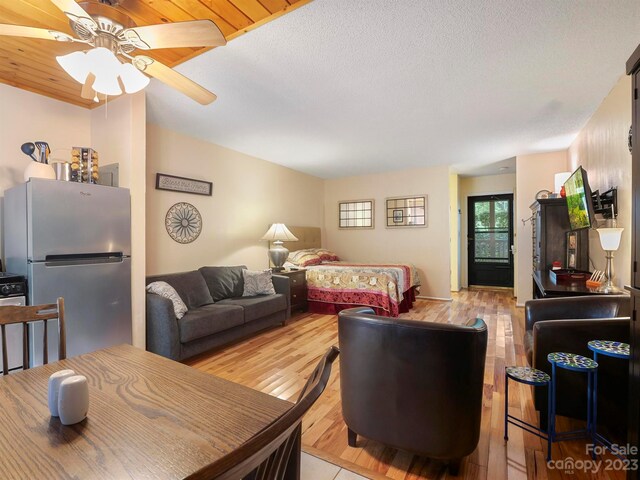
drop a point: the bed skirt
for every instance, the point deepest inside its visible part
(333, 308)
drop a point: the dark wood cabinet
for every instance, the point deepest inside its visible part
(298, 283)
(633, 437)
(549, 227)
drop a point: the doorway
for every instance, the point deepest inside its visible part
(490, 237)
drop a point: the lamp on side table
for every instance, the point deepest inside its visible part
(610, 242)
(277, 233)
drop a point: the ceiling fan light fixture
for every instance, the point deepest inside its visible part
(75, 64)
(107, 84)
(132, 78)
(99, 61)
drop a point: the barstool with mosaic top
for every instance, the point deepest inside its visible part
(535, 378)
(609, 348)
(575, 363)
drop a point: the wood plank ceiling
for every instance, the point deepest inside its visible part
(30, 64)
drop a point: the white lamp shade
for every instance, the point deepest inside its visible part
(75, 64)
(279, 232)
(132, 78)
(610, 238)
(106, 67)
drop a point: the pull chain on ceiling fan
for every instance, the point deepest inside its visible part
(108, 67)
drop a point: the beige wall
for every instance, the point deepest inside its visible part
(427, 248)
(118, 134)
(27, 117)
(454, 231)
(601, 148)
(248, 195)
(533, 173)
(472, 187)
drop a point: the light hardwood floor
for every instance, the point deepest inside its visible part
(278, 361)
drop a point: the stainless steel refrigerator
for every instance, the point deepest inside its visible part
(73, 240)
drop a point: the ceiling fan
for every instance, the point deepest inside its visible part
(109, 67)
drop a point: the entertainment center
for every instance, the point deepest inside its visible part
(550, 224)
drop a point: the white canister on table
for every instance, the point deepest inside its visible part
(54, 387)
(73, 399)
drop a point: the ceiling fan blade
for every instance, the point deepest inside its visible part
(196, 33)
(87, 88)
(174, 79)
(76, 13)
(88, 92)
(32, 32)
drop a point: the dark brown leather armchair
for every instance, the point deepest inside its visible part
(567, 325)
(415, 386)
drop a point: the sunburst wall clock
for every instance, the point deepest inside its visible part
(183, 222)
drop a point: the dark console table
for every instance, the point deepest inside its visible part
(545, 287)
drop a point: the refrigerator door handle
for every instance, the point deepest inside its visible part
(82, 259)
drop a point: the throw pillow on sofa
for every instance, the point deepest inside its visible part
(257, 283)
(167, 291)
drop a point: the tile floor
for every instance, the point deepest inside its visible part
(314, 468)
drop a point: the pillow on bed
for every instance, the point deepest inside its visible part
(326, 255)
(304, 258)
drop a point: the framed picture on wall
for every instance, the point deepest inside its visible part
(410, 211)
(572, 249)
(355, 214)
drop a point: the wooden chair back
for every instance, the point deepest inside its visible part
(266, 455)
(12, 314)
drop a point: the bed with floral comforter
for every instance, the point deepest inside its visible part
(387, 288)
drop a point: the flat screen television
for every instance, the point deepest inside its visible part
(579, 202)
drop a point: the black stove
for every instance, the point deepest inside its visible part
(12, 285)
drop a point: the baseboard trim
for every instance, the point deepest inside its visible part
(441, 299)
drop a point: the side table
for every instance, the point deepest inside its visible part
(575, 363)
(613, 349)
(298, 282)
(535, 378)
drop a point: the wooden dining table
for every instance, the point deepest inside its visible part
(149, 417)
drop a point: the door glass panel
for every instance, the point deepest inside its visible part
(491, 231)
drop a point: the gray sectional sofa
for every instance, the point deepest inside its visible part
(218, 313)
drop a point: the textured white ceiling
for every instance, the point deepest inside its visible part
(346, 87)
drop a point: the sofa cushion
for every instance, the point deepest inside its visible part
(190, 286)
(209, 319)
(224, 282)
(258, 307)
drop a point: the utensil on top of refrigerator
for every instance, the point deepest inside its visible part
(43, 152)
(28, 149)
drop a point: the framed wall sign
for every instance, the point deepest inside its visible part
(182, 184)
(410, 211)
(355, 214)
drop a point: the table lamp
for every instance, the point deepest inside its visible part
(610, 242)
(277, 233)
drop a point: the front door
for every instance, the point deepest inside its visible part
(490, 238)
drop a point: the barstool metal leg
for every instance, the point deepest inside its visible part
(552, 409)
(549, 393)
